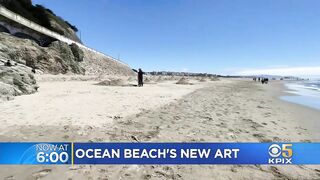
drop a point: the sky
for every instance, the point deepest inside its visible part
(238, 37)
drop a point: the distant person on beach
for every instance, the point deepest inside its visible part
(140, 77)
(8, 63)
(264, 80)
(33, 70)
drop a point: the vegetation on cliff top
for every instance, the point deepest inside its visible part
(42, 16)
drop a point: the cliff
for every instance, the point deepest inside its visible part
(42, 16)
(27, 54)
(58, 58)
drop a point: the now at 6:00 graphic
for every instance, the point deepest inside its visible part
(52, 157)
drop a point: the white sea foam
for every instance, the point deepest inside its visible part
(308, 93)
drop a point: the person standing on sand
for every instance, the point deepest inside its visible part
(8, 63)
(33, 70)
(140, 77)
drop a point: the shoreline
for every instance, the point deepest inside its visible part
(301, 95)
(306, 116)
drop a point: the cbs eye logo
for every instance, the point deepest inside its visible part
(275, 150)
(280, 154)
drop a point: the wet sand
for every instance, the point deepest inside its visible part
(221, 111)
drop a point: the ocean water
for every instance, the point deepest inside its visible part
(306, 93)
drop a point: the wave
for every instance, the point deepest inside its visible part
(308, 93)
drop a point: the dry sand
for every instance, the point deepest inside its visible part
(86, 103)
(219, 111)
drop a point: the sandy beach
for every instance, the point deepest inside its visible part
(229, 110)
(84, 83)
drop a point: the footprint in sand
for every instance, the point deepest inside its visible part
(66, 127)
(176, 117)
(226, 112)
(267, 114)
(9, 178)
(306, 140)
(261, 137)
(223, 125)
(208, 118)
(41, 173)
(276, 139)
(276, 172)
(147, 176)
(218, 114)
(300, 128)
(233, 169)
(254, 125)
(128, 122)
(274, 122)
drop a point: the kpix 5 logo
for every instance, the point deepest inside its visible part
(280, 154)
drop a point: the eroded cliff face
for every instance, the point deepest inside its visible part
(57, 58)
(97, 64)
(24, 55)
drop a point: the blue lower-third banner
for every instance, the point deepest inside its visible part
(159, 153)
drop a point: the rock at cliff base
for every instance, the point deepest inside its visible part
(77, 52)
(65, 58)
(16, 81)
